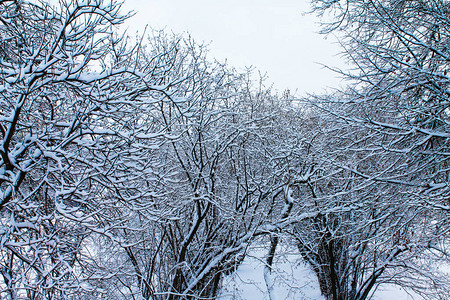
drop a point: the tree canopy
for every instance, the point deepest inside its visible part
(139, 168)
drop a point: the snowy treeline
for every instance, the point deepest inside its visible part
(142, 169)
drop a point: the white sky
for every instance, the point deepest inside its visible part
(275, 36)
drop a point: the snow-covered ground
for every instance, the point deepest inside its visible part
(292, 280)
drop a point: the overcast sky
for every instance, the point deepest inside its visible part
(275, 36)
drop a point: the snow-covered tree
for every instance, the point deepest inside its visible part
(390, 146)
(355, 232)
(400, 52)
(129, 169)
(77, 139)
(224, 185)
